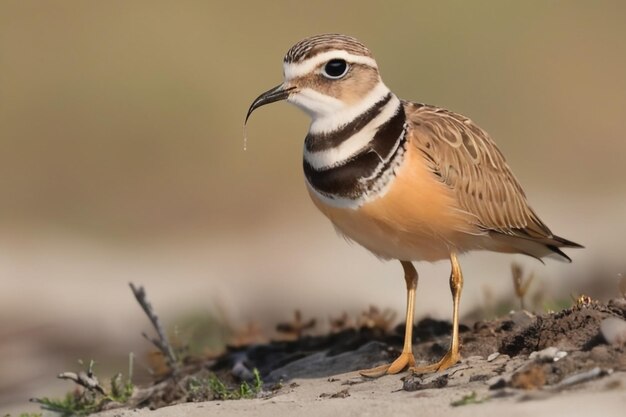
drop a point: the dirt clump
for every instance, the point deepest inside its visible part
(495, 353)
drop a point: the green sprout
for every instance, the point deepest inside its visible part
(471, 398)
(92, 397)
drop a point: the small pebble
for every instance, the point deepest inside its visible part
(493, 356)
(583, 377)
(613, 330)
(549, 354)
(522, 318)
(498, 384)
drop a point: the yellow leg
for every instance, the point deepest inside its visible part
(406, 358)
(453, 356)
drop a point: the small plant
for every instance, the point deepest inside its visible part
(92, 397)
(26, 415)
(121, 391)
(471, 398)
(250, 391)
(374, 318)
(74, 403)
(520, 283)
(339, 323)
(213, 388)
(583, 301)
(296, 328)
(245, 389)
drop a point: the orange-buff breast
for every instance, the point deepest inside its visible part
(417, 218)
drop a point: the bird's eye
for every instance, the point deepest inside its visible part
(335, 69)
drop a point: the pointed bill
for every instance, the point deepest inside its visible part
(280, 92)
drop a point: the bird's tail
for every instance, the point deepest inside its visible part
(545, 247)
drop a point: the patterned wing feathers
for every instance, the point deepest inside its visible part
(465, 158)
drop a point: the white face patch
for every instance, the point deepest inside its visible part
(340, 117)
(299, 69)
(314, 103)
(329, 113)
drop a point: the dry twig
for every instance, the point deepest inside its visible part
(85, 379)
(520, 284)
(377, 319)
(297, 327)
(340, 323)
(621, 283)
(162, 343)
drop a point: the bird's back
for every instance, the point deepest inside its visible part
(462, 156)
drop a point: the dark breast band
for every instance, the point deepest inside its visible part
(361, 173)
(316, 142)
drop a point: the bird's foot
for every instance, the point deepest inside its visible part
(449, 359)
(406, 359)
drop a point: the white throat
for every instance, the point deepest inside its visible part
(328, 113)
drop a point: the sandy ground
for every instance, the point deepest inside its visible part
(567, 363)
(384, 396)
(65, 299)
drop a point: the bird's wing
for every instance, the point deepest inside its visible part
(465, 158)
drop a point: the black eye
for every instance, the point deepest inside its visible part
(335, 69)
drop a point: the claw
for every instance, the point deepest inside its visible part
(406, 359)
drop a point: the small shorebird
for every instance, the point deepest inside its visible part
(407, 181)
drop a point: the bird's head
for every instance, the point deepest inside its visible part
(332, 77)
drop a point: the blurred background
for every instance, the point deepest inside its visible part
(121, 159)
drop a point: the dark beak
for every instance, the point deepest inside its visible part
(275, 94)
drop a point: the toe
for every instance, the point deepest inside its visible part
(376, 372)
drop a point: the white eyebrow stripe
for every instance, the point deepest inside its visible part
(293, 70)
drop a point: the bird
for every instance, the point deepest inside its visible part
(407, 181)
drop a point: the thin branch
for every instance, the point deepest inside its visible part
(162, 342)
(85, 379)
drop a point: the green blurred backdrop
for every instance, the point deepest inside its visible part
(121, 158)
